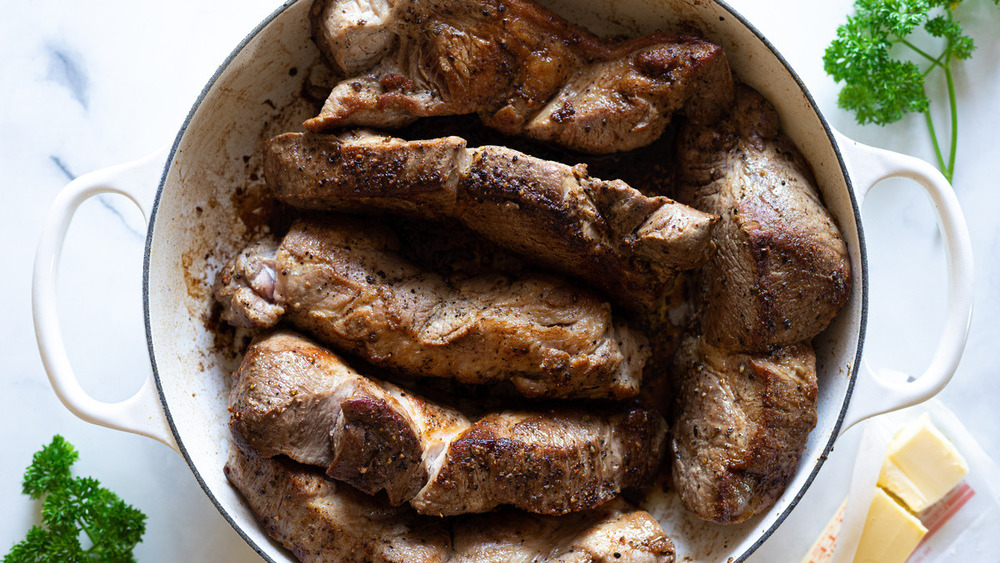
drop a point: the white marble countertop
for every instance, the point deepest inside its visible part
(88, 85)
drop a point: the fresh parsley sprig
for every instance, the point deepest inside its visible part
(878, 87)
(71, 507)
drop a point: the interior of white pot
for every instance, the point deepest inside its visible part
(212, 202)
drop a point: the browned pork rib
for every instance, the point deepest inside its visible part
(611, 534)
(295, 398)
(520, 67)
(781, 271)
(322, 521)
(744, 421)
(361, 170)
(550, 462)
(342, 280)
(248, 283)
(629, 246)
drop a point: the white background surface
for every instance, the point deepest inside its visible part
(90, 84)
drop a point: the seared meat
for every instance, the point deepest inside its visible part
(522, 68)
(343, 281)
(294, 398)
(747, 399)
(550, 462)
(781, 271)
(248, 282)
(610, 534)
(627, 100)
(363, 171)
(626, 244)
(320, 520)
(743, 423)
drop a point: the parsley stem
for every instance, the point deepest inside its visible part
(937, 147)
(919, 51)
(90, 535)
(937, 62)
(953, 107)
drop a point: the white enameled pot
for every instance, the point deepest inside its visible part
(202, 197)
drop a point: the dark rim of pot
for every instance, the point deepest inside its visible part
(733, 13)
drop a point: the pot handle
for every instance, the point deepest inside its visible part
(877, 392)
(141, 413)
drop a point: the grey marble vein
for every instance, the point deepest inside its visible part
(66, 69)
(62, 167)
(105, 201)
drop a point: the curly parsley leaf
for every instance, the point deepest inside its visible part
(879, 86)
(49, 469)
(71, 508)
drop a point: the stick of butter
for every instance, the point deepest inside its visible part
(891, 533)
(922, 465)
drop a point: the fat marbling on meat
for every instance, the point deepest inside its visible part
(520, 67)
(342, 280)
(628, 245)
(295, 398)
(781, 269)
(322, 521)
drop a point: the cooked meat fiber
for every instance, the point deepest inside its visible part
(549, 462)
(322, 521)
(342, 280)
(781, 271)
(610, 534)
(743, 423)
(629, 246)
(248, 283)
(295, 398)
(361, 170)
(521, 68)
(747, 373)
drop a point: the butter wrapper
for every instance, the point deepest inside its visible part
(961, 526)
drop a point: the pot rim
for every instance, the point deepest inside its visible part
(863, 278)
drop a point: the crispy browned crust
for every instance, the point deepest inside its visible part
(524, 70)
(743, 422)
(294, 398)
(343, 281)
(628, 245)
(552, 462)
(781, 270)
(322, 521)
(365, 171)
(747, 372)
